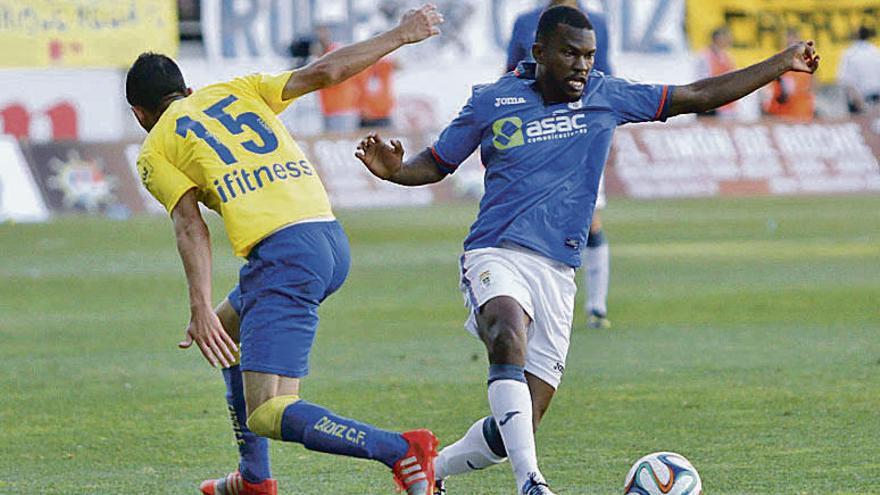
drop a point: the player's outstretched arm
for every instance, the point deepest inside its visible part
(714, 92)
(194, 246)
(339, 65)
(385, 161)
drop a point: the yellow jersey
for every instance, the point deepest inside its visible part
(226, 141)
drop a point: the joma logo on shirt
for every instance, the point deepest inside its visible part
(510, 100)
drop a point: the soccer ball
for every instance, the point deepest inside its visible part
(663, 473)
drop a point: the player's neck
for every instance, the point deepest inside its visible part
(151, 118)
(167, 100)
(541, 87)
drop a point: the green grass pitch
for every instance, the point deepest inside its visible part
(746, 337)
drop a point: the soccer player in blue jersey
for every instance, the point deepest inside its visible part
(224, 146)
(544, 132)
(597, 253)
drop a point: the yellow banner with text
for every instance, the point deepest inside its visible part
(85, 33)
(759, 27)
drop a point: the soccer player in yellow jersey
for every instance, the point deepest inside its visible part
(223, 146)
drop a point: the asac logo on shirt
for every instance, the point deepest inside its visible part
(556, 127)
(508, 133)
(509, 130)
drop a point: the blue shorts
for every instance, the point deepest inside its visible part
(234, 299)
(285, 279)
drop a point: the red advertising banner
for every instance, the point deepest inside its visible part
(717, 158)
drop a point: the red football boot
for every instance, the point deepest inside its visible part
(414, 473)
(234, 484)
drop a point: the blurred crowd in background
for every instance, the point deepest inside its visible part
(64, 121)
(371, 101)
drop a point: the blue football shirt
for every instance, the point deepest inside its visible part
(526, 26)
(543, 162)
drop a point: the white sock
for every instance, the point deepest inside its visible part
(468, 454)
(596, 275)
(511, 406)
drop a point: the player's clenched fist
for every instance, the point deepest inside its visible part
(802, 57)
(382, 159)
(419, 24)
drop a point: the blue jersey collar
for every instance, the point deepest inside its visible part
(526, 70)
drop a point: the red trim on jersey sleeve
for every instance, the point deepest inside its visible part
(441, 163)
(662, 103)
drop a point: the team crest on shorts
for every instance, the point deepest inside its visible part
(486, 278)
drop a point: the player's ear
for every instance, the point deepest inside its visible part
(145, 118)
(139, 114)
(188, 91)
(538, 53)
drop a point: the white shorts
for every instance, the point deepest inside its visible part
(600, 196)
(545, 289)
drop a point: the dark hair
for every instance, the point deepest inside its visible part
(152, 77)
(865, 33)
(554, 16)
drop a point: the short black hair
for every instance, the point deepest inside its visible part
(152, 77)
(561, 14)
(865, 33)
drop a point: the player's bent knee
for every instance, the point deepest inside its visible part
(265, 420)
(504, 337)
(500, 328)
